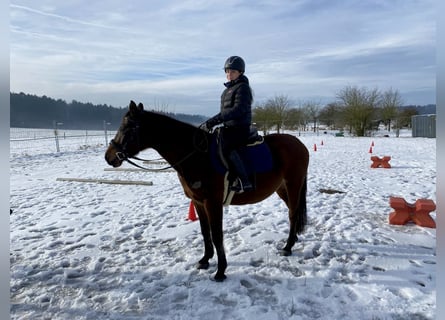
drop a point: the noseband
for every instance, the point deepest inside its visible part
(121, 154)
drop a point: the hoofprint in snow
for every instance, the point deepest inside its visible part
(103, 251)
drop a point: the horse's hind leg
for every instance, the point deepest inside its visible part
(295, 198)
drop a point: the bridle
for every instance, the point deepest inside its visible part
(122, 153)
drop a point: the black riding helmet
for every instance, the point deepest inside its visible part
(235, 63)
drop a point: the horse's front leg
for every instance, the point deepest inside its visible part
(205, 231)
(215, 215)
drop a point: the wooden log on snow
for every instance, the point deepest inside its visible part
(144, 183)
(138, 170)
(124, 169)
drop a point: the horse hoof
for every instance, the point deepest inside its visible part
(220, 278)
(285, 253)
(200, 265)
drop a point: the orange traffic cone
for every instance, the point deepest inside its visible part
(372, 143)
(370, 149)
(192, 213)
(315, 147)
(321, 142)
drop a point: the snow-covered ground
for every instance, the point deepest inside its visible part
(108, 251)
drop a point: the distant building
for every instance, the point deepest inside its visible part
(424, 125)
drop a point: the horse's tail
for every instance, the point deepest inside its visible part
(302, 210)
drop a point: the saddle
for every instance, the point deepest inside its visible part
(255, 155)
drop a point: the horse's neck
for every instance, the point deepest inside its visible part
(174, 139)
(173, 154)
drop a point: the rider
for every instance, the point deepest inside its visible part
(236, 115)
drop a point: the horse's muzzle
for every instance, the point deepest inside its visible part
(112, 157)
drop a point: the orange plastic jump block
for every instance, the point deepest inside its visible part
(419, 212)
(380, 162)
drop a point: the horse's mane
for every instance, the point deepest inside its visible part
(161, 117)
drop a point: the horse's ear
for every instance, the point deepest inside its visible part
(135, 109)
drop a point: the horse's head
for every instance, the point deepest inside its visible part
(126, 143)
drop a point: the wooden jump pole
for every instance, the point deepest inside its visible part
(124, 169)
(144, 183)
(137, 170)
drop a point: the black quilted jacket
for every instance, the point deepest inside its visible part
(236, 104)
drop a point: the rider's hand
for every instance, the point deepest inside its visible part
(212, 122)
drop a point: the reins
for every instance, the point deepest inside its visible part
(126, 158)
(123, 156)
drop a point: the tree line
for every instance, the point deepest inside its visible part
(31, 111)
(358, 110)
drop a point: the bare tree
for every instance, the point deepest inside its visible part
(359, 105)
(391, 101)
(262, 118)
(294, 118)
(278, 107)
(160, 106)
(331, 116)
(312, 111)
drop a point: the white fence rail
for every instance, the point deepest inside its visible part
(27, 141)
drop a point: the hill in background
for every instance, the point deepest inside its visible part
(31, 111)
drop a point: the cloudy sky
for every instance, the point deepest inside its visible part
(170, 54)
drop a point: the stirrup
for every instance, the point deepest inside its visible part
(238, 186)
(247, 187)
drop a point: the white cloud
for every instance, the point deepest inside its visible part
(175, 50)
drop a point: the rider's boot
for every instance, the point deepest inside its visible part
(242, 184)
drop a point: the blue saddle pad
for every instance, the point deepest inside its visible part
(256, 158)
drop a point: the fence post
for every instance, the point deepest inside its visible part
(105, 130)
(56, 135)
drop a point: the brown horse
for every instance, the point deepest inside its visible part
(185, 148)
